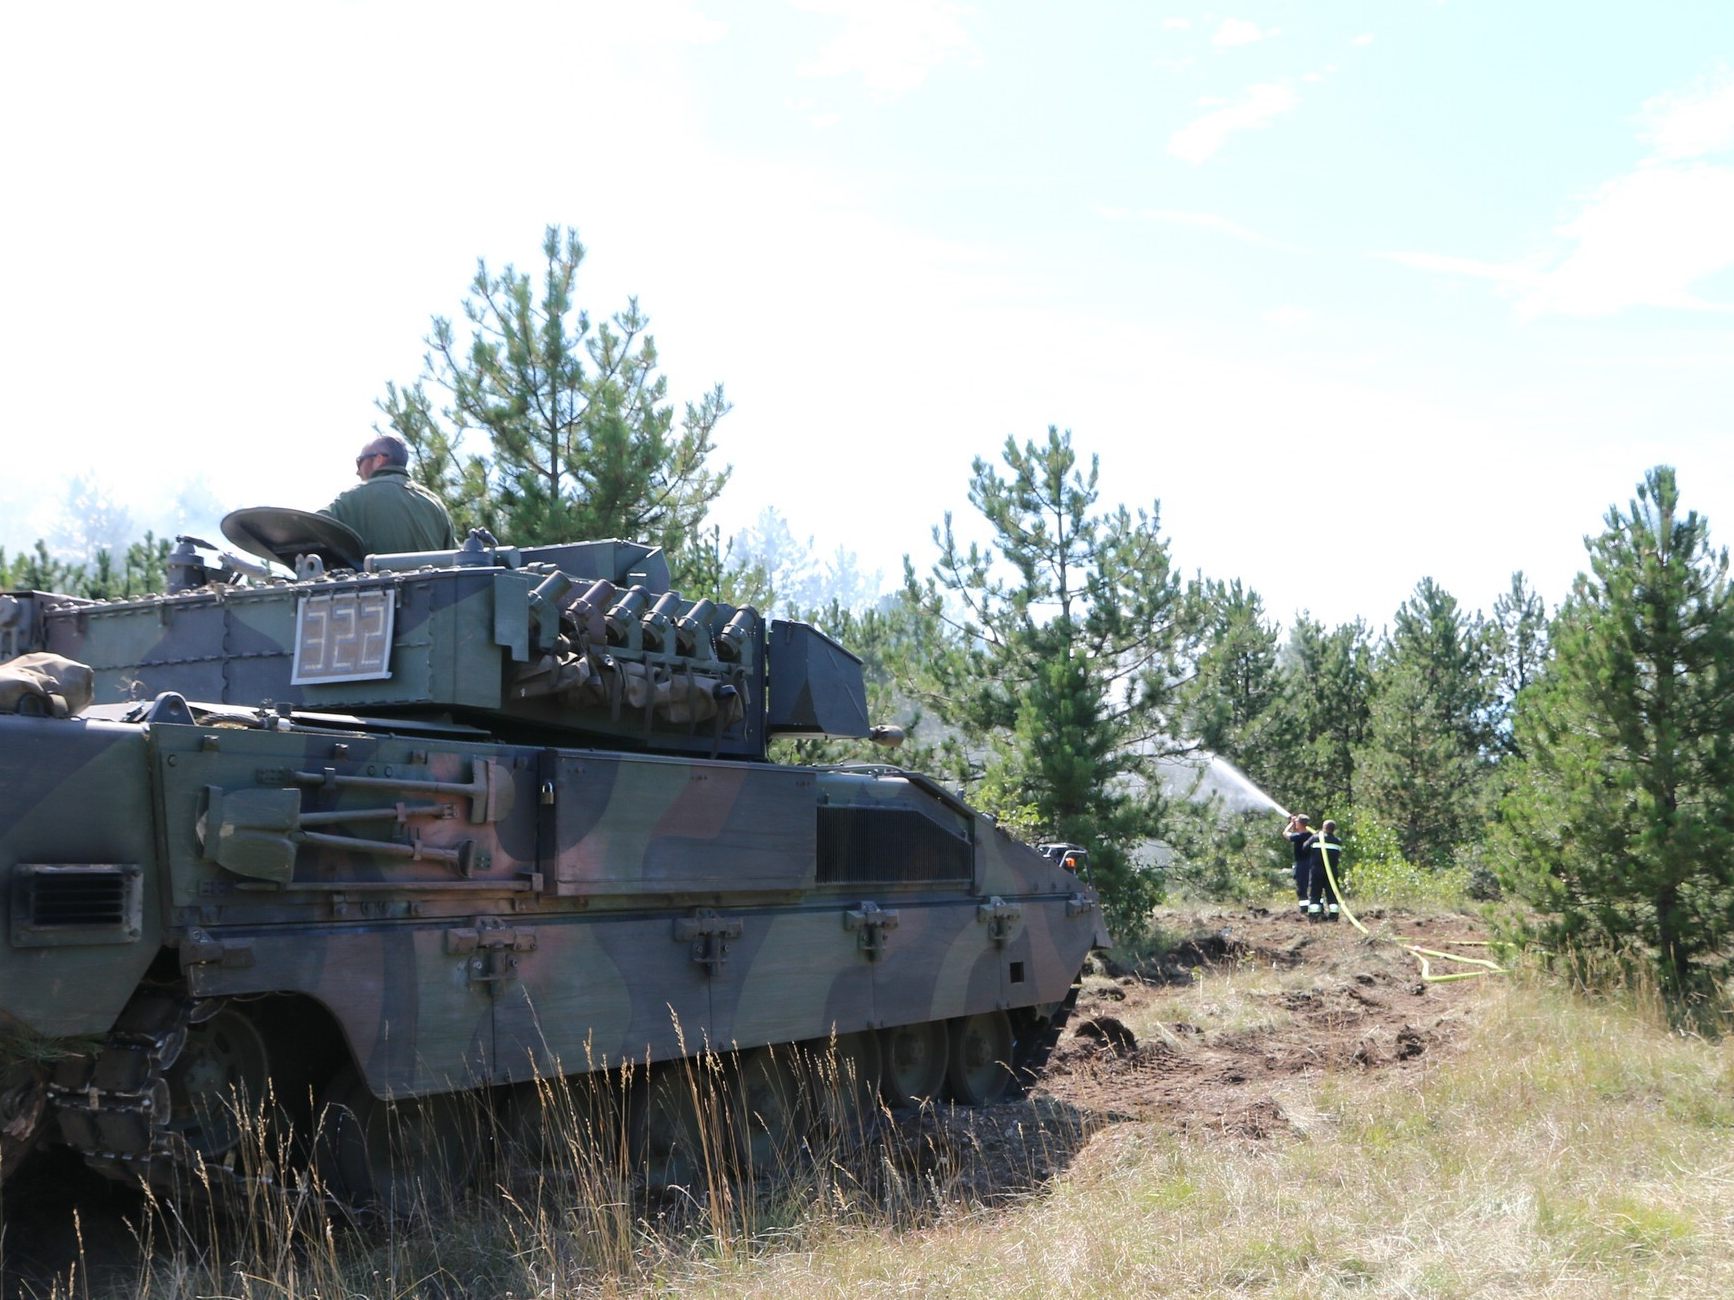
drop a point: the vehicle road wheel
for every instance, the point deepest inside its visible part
(219, 1085)
(980, 1072)
(670, 1126)
(768, 1111)
(915, 1057)
(22, 1101)
(395, 1155)
(845, 1080)
(571, 1125)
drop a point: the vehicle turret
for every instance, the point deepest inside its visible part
(580, 641)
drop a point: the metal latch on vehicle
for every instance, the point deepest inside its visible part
(1001, 918)
(708, 933)
(491, 947)
(871, 923)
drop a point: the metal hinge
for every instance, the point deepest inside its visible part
(491, 947)
(1080, 904)
(872, 922)
(1001, 918)
(201, 948)
(204, 957)
(708, 933)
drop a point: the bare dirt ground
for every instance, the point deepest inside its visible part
(1348, 1002)
(1224, 1034)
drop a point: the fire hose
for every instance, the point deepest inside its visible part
(1424, 955)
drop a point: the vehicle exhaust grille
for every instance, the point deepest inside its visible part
(75, 904)
(875, 846)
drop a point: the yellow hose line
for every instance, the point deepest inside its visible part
(1421, 954)
(1451, 956)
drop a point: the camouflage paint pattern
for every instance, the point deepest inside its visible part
(73, 791)
(464, 639)
(466, 909)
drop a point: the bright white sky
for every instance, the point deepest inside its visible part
(1360, 290)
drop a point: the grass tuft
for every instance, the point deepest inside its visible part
(1569, 1145)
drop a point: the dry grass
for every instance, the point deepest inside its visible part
(1241, 1000)
(1571, 1150)
(1571, 1147)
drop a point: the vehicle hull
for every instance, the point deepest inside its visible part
(443, 915)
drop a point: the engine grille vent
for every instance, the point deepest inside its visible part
(78, 904)
(874, 846)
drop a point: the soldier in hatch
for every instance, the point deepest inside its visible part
(391, 514)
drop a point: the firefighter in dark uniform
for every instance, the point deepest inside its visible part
(1322, 902)
(1298, 834)
(388, 512)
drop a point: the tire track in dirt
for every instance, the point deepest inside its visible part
(1222, 1035)
(1324, 998)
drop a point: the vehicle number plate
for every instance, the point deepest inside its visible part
(344, 637)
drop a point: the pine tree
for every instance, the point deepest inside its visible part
(1319, 721)
(581, 437)
(1424, 762)
(1226, 705)
(1517, 649)
(1619, 828)
(142, 569)
(1058, 665)
(40, 571)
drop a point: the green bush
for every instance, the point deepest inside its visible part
(1224, 857)
(1377, 872)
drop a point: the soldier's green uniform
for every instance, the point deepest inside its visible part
(393, 515)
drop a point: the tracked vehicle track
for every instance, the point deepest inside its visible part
(118, 1107)
(1031, 1053)
(161, 1101)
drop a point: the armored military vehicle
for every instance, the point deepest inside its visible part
(392, 828)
